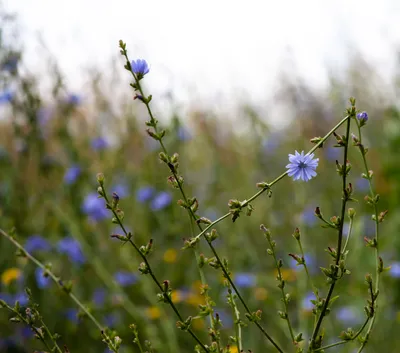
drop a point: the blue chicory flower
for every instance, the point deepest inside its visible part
(183, 134)
(41, 280)
(362, 118)
(71, 247)
(26, 332)
(308, 216)
(94, 207)
(122, 190)
(310, 262)
(225, 317)
(36, 243)
(72, 315)
(22, 298)
(245, 280)
(6, 97)
(7, 297)
(99, 143)
(74, 99)
(145, 193)
(162, 200)
(140, 67)
(270, 143)
(125, 278)
(99, 296)
(362, 184)
(11, 64)
(306, 302)
(112, 319)
(332, 153)
(395, 270)
(302, 166)
(72, 174)
(348, 315)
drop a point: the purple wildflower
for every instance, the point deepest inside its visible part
(162, 200)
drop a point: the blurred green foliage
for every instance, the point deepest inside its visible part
(51, 149)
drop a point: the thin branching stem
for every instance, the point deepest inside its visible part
(150, 271)
(60, 284)
(340, 239)
(346, 341)
(375, 207)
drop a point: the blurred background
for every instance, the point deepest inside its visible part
(237, 87)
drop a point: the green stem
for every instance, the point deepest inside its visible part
(256, 195)
(238, 326)
(377, 276)
(151, 273)
(344, 342)
(224, 270)
(339, 245)
(60, 285)
(348, 236)
(281, 286)
(38, 333)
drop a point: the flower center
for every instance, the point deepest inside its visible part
(302, 165)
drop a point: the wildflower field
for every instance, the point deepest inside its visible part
(125, 230)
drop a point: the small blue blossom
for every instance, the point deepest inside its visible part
(42, 281)
(162, 200)
(306, 303)
(94, 207)
(44, 115)
(302, 166)
(395, 270)
(308, 216)
(11, 64)
(72, 315)
(26, 332)
(184, 134)
(140, 67)
(7, 298)
(362, 184)
(348, 315)
(245, 280)
(332, 153)
(145, 193)
(346, 229)
(310, 262)
(22, 298)
(362, 118)
(99, 143)
(112, 319)
(72, 174)
(37, 243)
(74, 99)
(225, 317)
(125, 278)
(122, 190)
(71, 247)
(6, 97)
(270, 143)
(99, 296)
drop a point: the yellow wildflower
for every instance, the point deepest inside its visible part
(261, 293)
(10, 275)
(176, 296)
(288, 274)
(170, 256)
(153, 312)
(233, 349)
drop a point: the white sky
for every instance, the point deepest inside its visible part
(211, 47)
